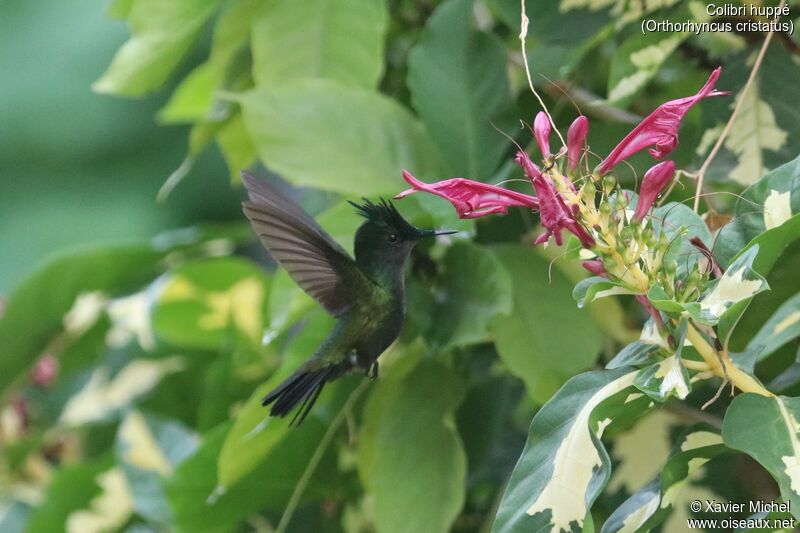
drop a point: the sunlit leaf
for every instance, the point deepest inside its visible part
(162, 33)
(320, 134)
(340, 40)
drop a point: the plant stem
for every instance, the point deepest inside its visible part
(715, 360)
(340, 417)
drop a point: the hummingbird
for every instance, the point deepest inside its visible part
(366, 295)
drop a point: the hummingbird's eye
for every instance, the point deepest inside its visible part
(393, 238)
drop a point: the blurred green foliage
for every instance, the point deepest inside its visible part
(169, 324)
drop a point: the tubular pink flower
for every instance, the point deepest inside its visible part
(553, 212)
(541, 131)
(595, 266)
(472, 199)
(654, 181)
(660, 129)
(576, 137)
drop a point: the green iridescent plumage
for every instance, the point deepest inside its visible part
(365, 294)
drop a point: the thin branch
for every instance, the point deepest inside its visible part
(753, 72)
(523, 33)
(340, 417)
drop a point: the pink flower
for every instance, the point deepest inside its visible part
(654, 181)
(471, 199)
(541, 131)
(45, 371)
(660, 129)
(576, 137)
(595, 266)
(553, 212)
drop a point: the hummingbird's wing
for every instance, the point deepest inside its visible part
(315, 261)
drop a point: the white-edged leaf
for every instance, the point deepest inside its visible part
(754, 131)
(149, 447)
(767, 429)
(649, 506)
(641, 351)
(739, 283)
(564, 465)
(104, 394)
(590, 289)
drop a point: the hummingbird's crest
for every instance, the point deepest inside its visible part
(387, 214)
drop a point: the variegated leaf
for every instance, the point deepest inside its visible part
(642, 351)
(767, 429)
(649, 506)
(564, 465)
(593, 288)
(737, 285)
(766, 213)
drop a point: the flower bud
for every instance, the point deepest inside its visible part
(654, 181)
(595, 266)
(541, 131)
(589, 191)
(609, 182)
(45, 371)
(576, 137)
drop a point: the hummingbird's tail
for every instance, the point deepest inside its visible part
(302, 386)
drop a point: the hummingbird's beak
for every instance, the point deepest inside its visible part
(433, 233)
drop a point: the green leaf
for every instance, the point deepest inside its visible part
(194, 98)
(591, 289)
(636, 353)
(767, 207)
(754, 132)
(147, 448)
(162, 33)
(38, 305)
(254, 433)
(340, 40)
(782, 327)
(202, 302)
(199, 503)
(459, 87)
(408, 440)
(652, 504)
(637, 60)
(236, 146)
(320, 134)
(766, 429)
(71, 489)
(475, 288)
(545, 339)
(564, 465)
(663, 301)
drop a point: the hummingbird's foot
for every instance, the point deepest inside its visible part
(372, 371)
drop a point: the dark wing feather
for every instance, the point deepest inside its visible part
(314, 260)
